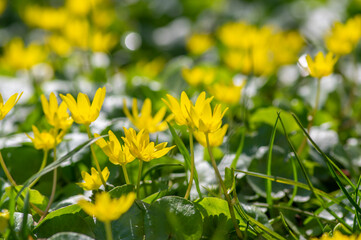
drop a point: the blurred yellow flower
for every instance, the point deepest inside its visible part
(199, 75)
(79, 7)
(47, 18)
(322, 66)
(4, 220)
(182, 109)
(141, 148)
(76, 31)
(93, 181)
(102, 42)
(344, 38)
(118, 154)
(17, 56)
(103, 17)
(57, 116)
(10, 103)
(46, 140)
(81, 110)
(199, 43)
(338, 236)
(144, 119)
(2, 6)
(215, 138)
(106, 209)
(286, 46)
(59, 45)
(226, 93)
(150, 69)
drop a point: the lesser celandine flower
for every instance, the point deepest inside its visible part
(106, 209)
(82, 111)
(144, 119)
(343, 38)
(93, 181)
(338, 236)
(199, 75)
(321, 66)
(56, 115)
(182, 109)
(10, 103)
(118, 154)
(227, 93)
(140, 146)
(199, 43)
(46, 140)
(215, 138)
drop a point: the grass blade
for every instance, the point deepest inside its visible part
(239, 149)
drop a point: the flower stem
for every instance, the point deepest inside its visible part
(229, 201)
(45, 158)
(6, 171)
(139, 175)
(192, 164)
(108, 230)
(125, 174)
(312, 116)
(95, 157)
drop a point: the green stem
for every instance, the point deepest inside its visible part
(192, 164)
(229, 201)
(95, 157)
(6, 171)
(139, 175)
(45, 158)
(108, 230)
(125, 174)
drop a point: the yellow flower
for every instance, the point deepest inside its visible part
(338, 236)
(106, 209)
(145, 120)
(81, 110)
(59, 45)
(141, 148)
(181, 109)
(102, 42)
(322, 66)
(10, 103)
(46, 140)
(118, 154)
(17, 56)
(199, 43)
(150, 69)
(343, 38)
(199, 75)
(93, 181)
(206, 120)
(57, 116)
(227, 93)
(2, 6)
(78, 7)
(76, 31)
(47, 18)
(215, 138)
(4, 220)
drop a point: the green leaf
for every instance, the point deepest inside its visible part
(121, 190)
(229, 181)
(151, 198)
(269, 115)
(67, 219)
(174, 217)
(69, 236)
(35, 197)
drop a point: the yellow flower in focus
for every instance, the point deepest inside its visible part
(59, 45)
(10, 103)
(181, 109)
(46, 140)
(4, 220)
(206, 120)
(82, 111)
(344, 38)
(199, 43)
(322, 66)
(215, 138)
(102, 42)
(106, 209)
(140, 147)
(57, 116)
(226, 93)
(144, 119)
(199, 75)
(118, 154)
(17, 56)
(93, 181)
(2, 6)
